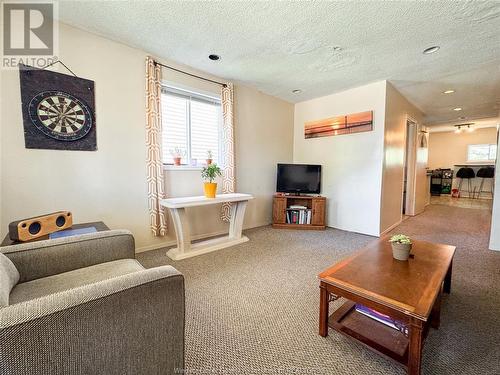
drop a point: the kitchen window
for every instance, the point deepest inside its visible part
(482, 153)
(191, 124)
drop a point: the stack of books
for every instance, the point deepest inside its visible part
(382, 318)
(296, 214)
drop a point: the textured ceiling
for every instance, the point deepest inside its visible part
(280, 46)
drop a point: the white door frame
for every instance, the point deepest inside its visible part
(410, 165)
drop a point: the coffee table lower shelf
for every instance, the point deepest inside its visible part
(374, 335)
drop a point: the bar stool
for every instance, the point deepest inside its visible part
(467, 174)
(486, 173)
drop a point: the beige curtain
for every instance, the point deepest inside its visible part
(155, 179)
(228, 177)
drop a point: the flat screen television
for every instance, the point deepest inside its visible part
(299, 178)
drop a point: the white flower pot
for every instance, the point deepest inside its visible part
(401, 251)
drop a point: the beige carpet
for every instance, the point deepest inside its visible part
(253, 308)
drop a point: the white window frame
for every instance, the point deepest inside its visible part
(490, 145)
(193, 94)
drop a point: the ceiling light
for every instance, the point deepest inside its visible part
(458, 129)
(337, 48)
(457, 109)
(297, 91)
(430, 50)
(470, 129)
(462, 118)
(448, 92)
(214, 57)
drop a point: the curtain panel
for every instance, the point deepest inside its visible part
(228, 176)
(155, 178)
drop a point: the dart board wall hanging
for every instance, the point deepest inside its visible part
(58, 110)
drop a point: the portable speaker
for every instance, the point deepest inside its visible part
(36, 227)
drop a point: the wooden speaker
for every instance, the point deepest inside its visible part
(36, 227)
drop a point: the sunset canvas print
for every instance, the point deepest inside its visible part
(338, 125)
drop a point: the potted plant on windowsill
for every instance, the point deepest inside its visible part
(401, 246)
(209, 174)
(209, 157)
(177, 154)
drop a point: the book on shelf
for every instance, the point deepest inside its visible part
(381, 318)
(299, 216)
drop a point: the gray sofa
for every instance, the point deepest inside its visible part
(84, 305)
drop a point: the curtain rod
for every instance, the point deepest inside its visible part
(189, 74)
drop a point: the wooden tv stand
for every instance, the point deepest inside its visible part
(317, 206)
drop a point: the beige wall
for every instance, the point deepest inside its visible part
(110, 184)
(396, 113)
(448, 148)
(352, 164)
(263, 132)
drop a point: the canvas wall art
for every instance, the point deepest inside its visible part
(338, 125)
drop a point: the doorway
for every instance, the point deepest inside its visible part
(415, 180)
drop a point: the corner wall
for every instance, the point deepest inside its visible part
(352, 163)
(397, 110)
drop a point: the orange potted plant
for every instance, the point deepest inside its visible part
(209, 157)
(209, 174)
(177, 154)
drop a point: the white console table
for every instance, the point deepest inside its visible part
(186, 249)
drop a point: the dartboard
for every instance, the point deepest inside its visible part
(60, 115)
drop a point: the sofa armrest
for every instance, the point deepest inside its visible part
(35, 260)
(131, 324)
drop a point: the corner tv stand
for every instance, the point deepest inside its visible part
(310, 215)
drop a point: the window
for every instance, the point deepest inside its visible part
(481, 153)
(191, 123)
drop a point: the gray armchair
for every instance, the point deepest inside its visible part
(84, 305)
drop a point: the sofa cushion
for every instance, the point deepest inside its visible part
(72, 279)
(9, 276)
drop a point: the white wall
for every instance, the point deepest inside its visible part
(110, 184)
(396, 113)
(495, 218)
(352, 164)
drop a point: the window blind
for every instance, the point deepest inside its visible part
(191, 123)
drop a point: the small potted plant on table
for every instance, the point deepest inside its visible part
(401, 246)
(209, 157)
(177, 154)
(209, 174)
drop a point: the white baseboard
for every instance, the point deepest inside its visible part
(391, 228)
(196, 237)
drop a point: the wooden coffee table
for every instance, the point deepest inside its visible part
(409, 292)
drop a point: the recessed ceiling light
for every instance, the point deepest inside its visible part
(297, 91)
(448, 92)
(457, 109)
(214, 57)
(430, 50)
(462, 118)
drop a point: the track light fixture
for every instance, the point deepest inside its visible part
(468, 127)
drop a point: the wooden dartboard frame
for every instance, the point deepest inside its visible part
(58, 110)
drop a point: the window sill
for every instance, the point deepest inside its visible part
(171, 167)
